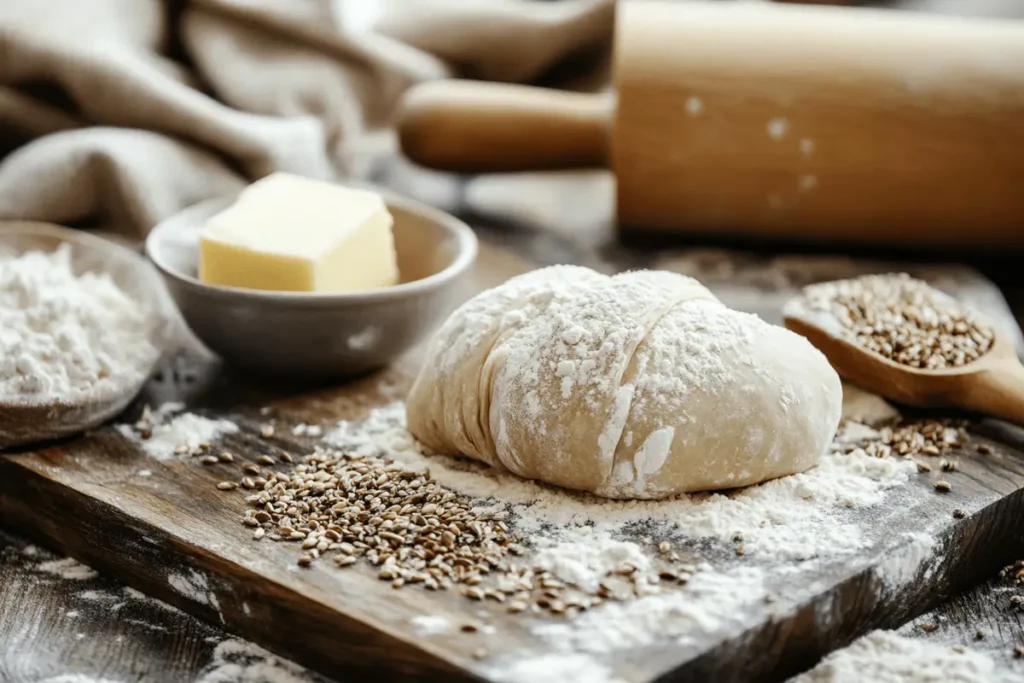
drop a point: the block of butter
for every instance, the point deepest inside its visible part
(292, 234)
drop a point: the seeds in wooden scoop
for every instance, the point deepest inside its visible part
(904, 320)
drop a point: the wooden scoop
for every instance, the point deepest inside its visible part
(992, 385)
(28, 419)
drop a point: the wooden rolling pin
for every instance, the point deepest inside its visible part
(812, 123)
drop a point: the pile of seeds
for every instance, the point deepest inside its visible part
(415, 532)
(904, 320)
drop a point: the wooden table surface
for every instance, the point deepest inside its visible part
(63, 624)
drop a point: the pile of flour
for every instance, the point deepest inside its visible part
(886, 657)
(62, 334)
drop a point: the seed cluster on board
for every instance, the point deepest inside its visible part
(413, 531)
(904, 320)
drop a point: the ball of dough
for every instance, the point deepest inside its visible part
(640, 385)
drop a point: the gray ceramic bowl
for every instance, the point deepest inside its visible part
(311, 336)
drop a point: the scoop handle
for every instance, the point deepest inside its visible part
(1001, 392)
(477, 127)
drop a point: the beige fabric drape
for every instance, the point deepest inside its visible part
(125, 111)
(121, 112)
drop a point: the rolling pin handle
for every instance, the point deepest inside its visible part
(477, 127)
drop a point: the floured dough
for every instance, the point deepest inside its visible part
(640, 385)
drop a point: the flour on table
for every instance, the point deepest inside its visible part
(885, 657)
(68, 568)
(236, 661)
(176, 434)
(63, 334)
(555, 668)
(303, 429)
(711, 602)
(791, 522)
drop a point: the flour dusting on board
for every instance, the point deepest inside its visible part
(791, 522)
(432, 624)
(236, 661)
(166, 432)
(794, 518)
(886, 657)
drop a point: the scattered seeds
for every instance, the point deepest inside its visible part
(1018, 652)
(979, 635)
(959, 649)
(469, 628)
(927, 628)
(481, 653)
(305, 560)
(948, 466)
(943, 486)
(259, 533)
(265, 460)
(959, 513)
(984, 449)
(923, 467)
(225, 457)
(227, 486)
(209, 460)
(267, 431)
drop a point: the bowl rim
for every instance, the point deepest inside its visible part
(466, 245)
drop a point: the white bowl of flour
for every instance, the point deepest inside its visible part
(82, 327)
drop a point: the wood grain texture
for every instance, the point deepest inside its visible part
(93, 629)
(172, 535)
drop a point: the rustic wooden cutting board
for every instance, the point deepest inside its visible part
(173, 535)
